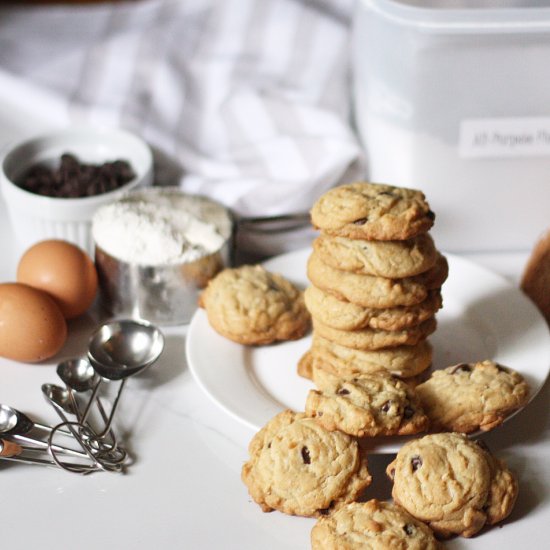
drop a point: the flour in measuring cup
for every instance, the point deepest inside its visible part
(160, 229)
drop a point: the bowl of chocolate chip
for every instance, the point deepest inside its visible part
(53, 184)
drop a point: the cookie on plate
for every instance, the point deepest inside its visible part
(253, 306)
(470, 397)
(305, 365)
(402, 361)
(299, 468)
(366, 405)
(376, 292)
(452, 484)
(392, 259)
(373, 524)
(372, 211)
(344, 315)
(372, 339)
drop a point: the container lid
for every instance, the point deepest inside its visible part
(509, 16)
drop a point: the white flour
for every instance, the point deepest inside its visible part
(159, 229)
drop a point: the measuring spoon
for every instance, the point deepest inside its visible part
(79, 376)
(9, 450)
(120, 349)
(15, 424)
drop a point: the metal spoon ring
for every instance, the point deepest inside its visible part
(74, 468)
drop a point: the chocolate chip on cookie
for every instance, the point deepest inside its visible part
(451, 484)
(365, 405)
(470, 397)
(372, 211)
(299, 468)
(372, 524)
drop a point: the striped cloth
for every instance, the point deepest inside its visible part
(246, 101)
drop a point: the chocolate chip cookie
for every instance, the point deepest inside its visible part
(253, 306)
(451, 483)
(470, 397)
(373, 339)
(372, 211)
(365, 405)
(372, 525)
(344, 315)
(392, 259)
(376, 292)
(298, 467)
(402, 361)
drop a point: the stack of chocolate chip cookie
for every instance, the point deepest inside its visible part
(376, 280)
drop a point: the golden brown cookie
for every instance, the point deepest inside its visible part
(372, 211)
(376, 292)
(250, 305)
(451, 483)
(470, 397)
(402, 361)
(345, 315)
(372, 525)
(391, 259)
(535, 281)
(373, 339)
(365, 405)
(299, 468)
(503, 492)
(305, 365)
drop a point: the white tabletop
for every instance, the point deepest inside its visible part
(184, 489)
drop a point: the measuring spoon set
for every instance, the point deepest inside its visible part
(117, 350)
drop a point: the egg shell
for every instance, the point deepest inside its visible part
(62, 270)
(32, 327)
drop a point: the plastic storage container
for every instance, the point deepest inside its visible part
(455, 101)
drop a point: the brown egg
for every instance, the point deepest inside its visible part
(64, 271)
(32, 327)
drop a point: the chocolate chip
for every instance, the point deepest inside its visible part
(408, 528)
(325, 511)
(73, 179)
(305, 455)
(408, 412)
(463, 367)
(342, 391)
(431, 215)
(386, 406)
(272, 285)
(361, 221)
(416, 462)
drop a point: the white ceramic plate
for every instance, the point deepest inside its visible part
(483, 317)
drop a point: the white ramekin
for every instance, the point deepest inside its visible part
(35, 217)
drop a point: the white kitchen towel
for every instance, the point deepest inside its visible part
(246, 101)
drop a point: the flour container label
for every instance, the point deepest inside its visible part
(504, 137)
